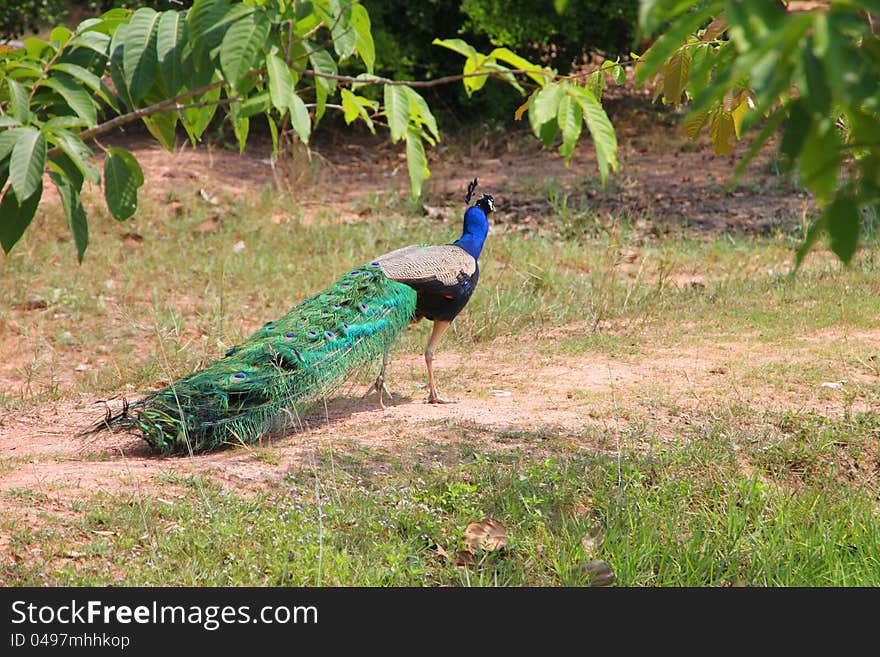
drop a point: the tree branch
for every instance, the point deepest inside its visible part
(417, 83)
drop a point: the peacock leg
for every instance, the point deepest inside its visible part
(439, 329)
(379, 385)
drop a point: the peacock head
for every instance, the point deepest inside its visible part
(486, 203)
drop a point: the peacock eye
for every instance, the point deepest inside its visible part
(288, 335)
(329, 335)
(363, 307)
(375, 263)
(240, 375)
(313, 334)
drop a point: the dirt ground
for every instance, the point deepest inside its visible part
(661, 173)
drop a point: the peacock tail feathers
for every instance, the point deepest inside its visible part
(265, 382)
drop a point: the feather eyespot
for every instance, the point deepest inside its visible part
(363, 307)
(375, 263)
(240, 375)
(313, 334)
(329, 335)
(344, 327)
(288, 335)
(304, 320)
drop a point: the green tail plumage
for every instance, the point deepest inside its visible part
(266, 381)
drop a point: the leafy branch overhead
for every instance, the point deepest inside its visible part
(807, 72)
(271, 58)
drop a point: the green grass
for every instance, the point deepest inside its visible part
(707, 510)
(740, 494)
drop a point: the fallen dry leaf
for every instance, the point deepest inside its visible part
(592, 540)
(488, 534)
(209, 225)
(31, 304)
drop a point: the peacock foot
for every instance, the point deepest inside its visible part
(434, 398)
(380, 386)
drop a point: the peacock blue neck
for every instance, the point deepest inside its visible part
(476, 227)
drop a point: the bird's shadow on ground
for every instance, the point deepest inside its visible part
(337, 409)
(322, 413)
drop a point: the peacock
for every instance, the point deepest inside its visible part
(265, 382)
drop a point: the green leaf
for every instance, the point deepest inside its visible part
(344, 36)
(351, 109)
(8, 138)
(96, 41)
(241, 44)
(703, 58)
(819, 160)
(19, 102)
(843, 222)
(323, 62)
(256, 104)
(170, 40)
(397, 110)
(810, 240)
(694, 123)
(16, 216)
(473, 65)
(547, 132)
(758, 142)
(604, 138)
(63, 165)
(354, 106)
(671, 39)
(299, 117)
(85, 76)
(122, 178)
(76, 97)
(273, 131)
(569, 119)
(240, 126)
(536, 73)
(203, 19)
(195, 120)
(27, 162)
(74, 148)
(545, 106)
(675, 75)
(796, 130)
(163, 127)
(139, 58)
(818, 94)
(366, 49)
(457, 45)
(280, 83)
(722, 131)
(416, 162)
(420, 113)
(76, 215)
